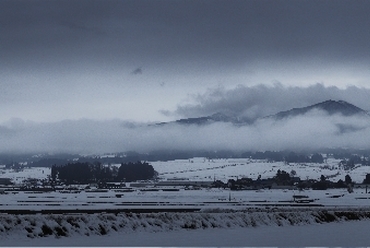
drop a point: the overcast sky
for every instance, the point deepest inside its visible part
(151, 61)
(144, 60)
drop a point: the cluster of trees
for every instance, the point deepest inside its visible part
(352, 160)
(285, 179)
(349, 157)
(367, 179)
(282, 178)
(136, 171)
(84, 172)
(269, 155)
(289, 157)
(324, 183)
(297, 158)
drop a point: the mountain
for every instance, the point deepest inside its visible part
(204, 120)
(330, 106)
(218, 117)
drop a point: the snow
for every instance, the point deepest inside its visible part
(224, 169)
(339, 234)
(164, 231)
(26, 173)
(205, 198)
(195, 169)
(252, 218)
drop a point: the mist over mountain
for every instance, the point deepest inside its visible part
(328, 124)
(258, 101)
(329, 107)
(87, 77)
(204, 120)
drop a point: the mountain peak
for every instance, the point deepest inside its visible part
(217, 117)
(330, 106)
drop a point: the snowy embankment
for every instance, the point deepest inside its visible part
(73, 225)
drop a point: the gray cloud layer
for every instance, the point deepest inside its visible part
(208, 33)
(262, 100)
(74, 59)
(314, 130)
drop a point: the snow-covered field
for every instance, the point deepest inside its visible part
(195, 169)
(205, 198)
(251, 217)
(18, 176)
(224, 169)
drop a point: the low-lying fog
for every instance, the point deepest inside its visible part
(313, 130)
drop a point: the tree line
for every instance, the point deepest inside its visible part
(283, 178)
(84, 172)
(284, 156)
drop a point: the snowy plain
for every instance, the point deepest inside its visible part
(229, 232)
(223, 169)
(232, 168)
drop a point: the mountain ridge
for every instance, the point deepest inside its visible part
(329, 106)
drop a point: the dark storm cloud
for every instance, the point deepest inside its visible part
(261, 100)
(220, 33)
